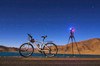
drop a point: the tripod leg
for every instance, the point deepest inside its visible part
(68, 42)
(67, 46)
(72, 46)
(76, 45)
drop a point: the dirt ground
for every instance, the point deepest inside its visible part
(20, 61)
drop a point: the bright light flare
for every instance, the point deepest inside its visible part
(72, 29)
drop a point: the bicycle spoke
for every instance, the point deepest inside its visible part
(52, 50)
(26, 49)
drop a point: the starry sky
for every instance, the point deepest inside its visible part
(48, 17)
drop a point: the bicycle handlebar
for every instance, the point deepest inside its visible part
(30, 36)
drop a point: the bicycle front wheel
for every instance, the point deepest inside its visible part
(26, 50)
(50, 49)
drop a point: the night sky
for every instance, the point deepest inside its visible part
(48, 17)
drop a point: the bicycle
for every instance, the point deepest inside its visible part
(48, 49)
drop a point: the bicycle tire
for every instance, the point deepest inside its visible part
(20, 51)
(56, 50)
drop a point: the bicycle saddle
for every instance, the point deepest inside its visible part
(43, 36)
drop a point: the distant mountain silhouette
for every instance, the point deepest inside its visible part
(8, 49)
(91, 46)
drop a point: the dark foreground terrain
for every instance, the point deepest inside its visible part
(19, 61)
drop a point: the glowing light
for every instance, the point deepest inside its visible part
(72, 29)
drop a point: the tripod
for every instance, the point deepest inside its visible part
(73, 38)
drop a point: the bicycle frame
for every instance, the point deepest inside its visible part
(37, 46)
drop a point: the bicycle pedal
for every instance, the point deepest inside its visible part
(40, 51)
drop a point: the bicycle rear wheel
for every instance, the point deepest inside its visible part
(26, 50)
(50, 49)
